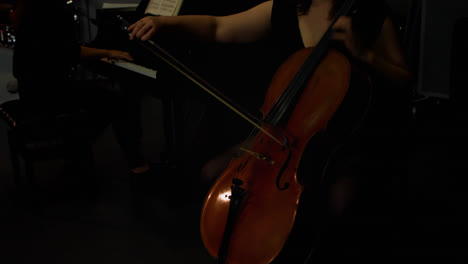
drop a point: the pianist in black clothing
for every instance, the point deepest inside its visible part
(46, 52)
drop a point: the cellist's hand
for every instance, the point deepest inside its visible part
(144, 28)
(344, 32)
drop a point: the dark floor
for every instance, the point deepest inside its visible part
(71, 218)
(156, 220)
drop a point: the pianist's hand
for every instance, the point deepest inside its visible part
(90, 53)
(118, 55)
(144, 28)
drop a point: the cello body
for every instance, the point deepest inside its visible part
(266, 173)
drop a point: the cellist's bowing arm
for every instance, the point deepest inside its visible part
(250, 25)
(385, 56)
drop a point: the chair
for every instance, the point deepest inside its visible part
(37, 137)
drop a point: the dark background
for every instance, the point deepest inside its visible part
(60, 223)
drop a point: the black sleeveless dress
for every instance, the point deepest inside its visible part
(345, 163)
(287, 39)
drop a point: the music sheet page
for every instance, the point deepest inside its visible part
(163, 7)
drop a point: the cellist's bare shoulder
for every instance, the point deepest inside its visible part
(250, 25)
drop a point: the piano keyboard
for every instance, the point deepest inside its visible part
(132, 67)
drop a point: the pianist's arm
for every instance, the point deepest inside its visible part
(89, 53)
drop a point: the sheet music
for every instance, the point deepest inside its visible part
(163, 7)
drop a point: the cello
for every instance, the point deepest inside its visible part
(249, 212)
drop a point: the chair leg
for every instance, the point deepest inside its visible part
(87, 162)
(29, 171)
(90, 158)
(14, 160)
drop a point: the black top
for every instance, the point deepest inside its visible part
(287, 39)
(367, 22)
